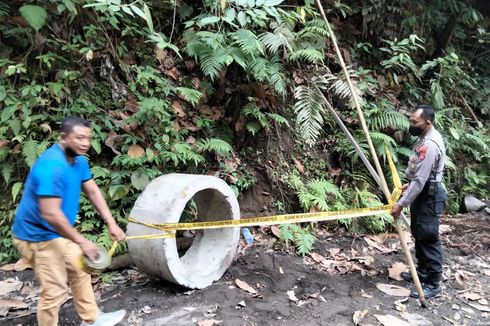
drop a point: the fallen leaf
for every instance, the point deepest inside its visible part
(299, 166)
(13, 304)
(444, 228)
(317, 257)
(460, 278)
(292, 296)
(374, 244)
(389, 320)
(9, 285)
(4, 311)
(209, 322)
(146, 309)
(358, 316)
(399, 305)
(334, 251)
(244, 286)
(478, 307)
(468, 310)
(280, 270)
(241, 304)
(174, 73)
(366, 295)
(415, 319)
(178, 109)
(135, 151)
(393, 290)
(472, 296)
(395, 270)
(113, 141)
(276, 231)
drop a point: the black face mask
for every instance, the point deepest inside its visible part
(70, 152)
(415, 131)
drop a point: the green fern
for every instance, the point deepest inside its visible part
(30, 151)
(4, 9)
(34, 15)
(248, 42)
(302, 238)
(282, 37)
(218, 146)
(309, 54)
(304, 241)
(340, 88)
(387, 118)
(277, 118)
(185, 154)
(190, 95)
(309, 112)
(7, 170)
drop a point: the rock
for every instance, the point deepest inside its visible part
(473, 204)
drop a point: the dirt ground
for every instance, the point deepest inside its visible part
(337, 285)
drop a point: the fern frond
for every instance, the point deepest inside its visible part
(34, 15)
(405, 151)
(295, 182)
(322, 187)
(278, 118)
(248, 42)
(338, 85)
(308, 54)
(4, 152)
(278, 76)
(213, 62)
(29, 151)
(272, 72)
(385, 118)
(218, 146)
(190, 95)
(185, 154)
(304, 241)
(4, 9)
(309, 112)
(282, 37)
(286, 234)
(7, 170)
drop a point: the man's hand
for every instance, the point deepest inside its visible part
(396, 210)
(404, 187)
(116, 232)
(89, 249)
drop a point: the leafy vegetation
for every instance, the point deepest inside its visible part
(228, 88)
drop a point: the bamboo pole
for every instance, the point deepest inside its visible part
(356, 146)
(384, 185)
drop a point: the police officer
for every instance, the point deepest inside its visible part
(426, 197)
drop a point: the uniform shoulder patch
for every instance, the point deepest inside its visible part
(423, 152)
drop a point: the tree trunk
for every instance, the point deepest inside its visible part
(443, 38)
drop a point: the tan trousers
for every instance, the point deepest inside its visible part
(56, 265)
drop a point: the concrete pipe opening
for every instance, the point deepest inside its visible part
(211, 251)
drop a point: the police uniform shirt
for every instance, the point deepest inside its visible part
(428, 152)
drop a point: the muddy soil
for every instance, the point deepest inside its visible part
(327, 287)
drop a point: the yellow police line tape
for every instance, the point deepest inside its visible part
(171, 228)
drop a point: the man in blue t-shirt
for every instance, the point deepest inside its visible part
(43, 226)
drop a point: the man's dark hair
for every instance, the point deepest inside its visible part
(73, 121)
(427, 112)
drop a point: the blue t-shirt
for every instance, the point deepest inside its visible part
(51, 176)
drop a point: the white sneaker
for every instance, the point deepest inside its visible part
(107, 318)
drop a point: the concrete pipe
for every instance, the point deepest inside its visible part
(211, 251)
